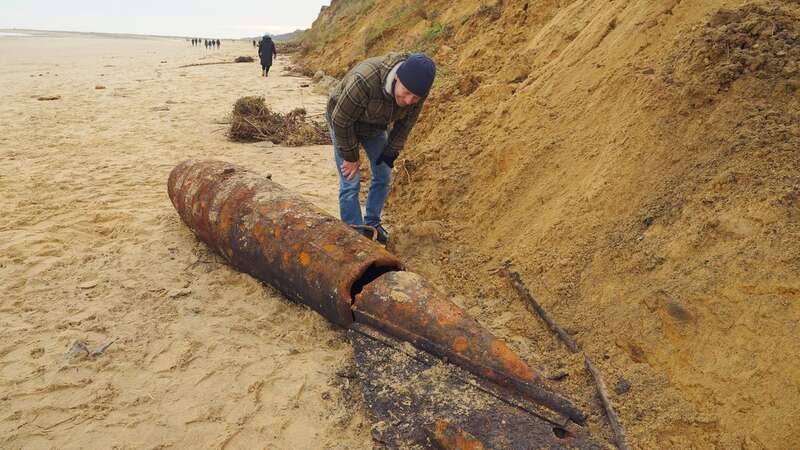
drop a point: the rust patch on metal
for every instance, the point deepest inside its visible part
(511, 362)
(460, 344)
(305, 259)
(448, 437)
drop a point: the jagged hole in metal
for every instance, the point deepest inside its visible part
(372, 273)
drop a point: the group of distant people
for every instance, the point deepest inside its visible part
(209, 43)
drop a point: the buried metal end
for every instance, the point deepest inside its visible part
(405, 305)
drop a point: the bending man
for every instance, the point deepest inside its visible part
(374, 95)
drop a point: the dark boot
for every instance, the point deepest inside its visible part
(381, 235)
(366, 231)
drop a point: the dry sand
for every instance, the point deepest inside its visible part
(91, 250)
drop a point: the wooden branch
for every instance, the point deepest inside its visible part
(616, 426)
(207, 64)
(532, 304)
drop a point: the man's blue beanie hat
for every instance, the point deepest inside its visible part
(417, 74)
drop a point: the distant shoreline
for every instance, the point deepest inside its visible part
(25, 32)
(10, 34)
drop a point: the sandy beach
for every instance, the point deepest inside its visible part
(91, 250)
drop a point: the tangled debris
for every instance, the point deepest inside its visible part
(323, 83)
(239, 59)
(752, 40)
(252, 121)
(288, 47)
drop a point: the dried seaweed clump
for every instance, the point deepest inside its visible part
(244, 59)
(751, 41)
(288, 47)
(253, 121)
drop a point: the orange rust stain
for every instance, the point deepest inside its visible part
(262, 236)
(305, 259)
(258, 231)
(397, 313)
(330, 248)
(451, 438)
(460, 344)
(511, 362)
(446, 313)
(225, 222)
(465, 443)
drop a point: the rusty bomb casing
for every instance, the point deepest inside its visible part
(264, 230)
(315, 259)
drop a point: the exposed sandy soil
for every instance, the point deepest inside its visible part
(638, 164)
(91, 250)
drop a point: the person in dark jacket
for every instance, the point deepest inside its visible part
(267, 53)
(378, 93)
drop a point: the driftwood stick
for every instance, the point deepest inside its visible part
(602, 390)
(207, 64)
(532, 304)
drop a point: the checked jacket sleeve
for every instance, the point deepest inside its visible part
(350, 106)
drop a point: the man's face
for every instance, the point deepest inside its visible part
(403, 96)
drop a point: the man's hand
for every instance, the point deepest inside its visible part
(388, 157)
(350, 169)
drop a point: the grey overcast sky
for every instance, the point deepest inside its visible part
(202, 18)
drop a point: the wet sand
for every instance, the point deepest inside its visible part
(92, 250)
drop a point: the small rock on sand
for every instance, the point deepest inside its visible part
(77, 350)
(87, 284)
(622, 387)
(180, 293)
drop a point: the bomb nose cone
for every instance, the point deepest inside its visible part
(407, 306)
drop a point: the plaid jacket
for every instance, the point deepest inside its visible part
(359, 107)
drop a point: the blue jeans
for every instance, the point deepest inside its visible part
(349, 205)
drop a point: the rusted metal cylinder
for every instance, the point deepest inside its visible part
(315, 259)
(264, 230)
(405, 305)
